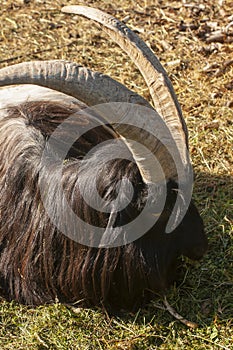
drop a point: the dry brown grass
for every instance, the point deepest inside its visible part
(182, 37)
(194, 40)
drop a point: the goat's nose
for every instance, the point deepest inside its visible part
(198, 250)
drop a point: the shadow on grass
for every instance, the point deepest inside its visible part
(204, 290)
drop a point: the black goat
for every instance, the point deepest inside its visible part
(38, 262)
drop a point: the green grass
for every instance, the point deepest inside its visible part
(37, 30)
(204, 296)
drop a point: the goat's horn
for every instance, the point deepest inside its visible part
(162, 92)
(94, 88)
(72, 79)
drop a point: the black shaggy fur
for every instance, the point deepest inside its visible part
(38, 264)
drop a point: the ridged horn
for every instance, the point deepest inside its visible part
(94, 89)
(161, 89)
(72, 79)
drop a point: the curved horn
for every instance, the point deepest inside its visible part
(72, 79)
(161, 89)
(93, 88)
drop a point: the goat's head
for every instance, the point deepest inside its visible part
(128, 258)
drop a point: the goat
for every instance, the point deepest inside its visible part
(44, 255)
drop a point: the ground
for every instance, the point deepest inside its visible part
(194, 41)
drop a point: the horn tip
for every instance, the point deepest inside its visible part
(73, 8)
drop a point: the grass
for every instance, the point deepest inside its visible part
(202, 75)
